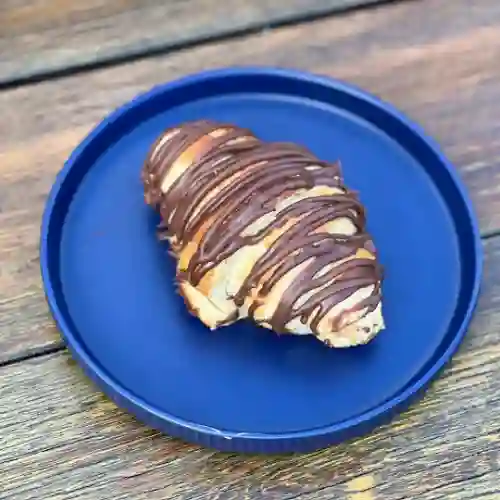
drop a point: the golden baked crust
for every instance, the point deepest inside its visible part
(199, 176)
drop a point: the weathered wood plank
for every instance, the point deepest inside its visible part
(40, 36)
(446, 76)
(63, 440)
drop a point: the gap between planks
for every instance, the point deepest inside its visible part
(159, 49)
(59, 346)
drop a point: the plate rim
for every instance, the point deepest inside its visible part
(304, 440)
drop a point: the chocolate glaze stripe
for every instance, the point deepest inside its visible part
(233, 181)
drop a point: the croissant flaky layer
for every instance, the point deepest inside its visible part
(266, 231)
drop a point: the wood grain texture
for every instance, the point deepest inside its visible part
(38, 36)
(63, 440)
(438, 61)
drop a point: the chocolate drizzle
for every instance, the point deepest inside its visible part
(232, 180)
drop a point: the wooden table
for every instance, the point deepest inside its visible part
(63, 66)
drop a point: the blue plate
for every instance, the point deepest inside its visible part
(110, 283)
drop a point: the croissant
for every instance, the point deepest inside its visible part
(266, 231)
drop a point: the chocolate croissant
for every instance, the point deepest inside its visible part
(265, 231)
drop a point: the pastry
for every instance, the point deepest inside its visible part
(265, 231)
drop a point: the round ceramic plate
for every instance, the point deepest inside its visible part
(110, 282)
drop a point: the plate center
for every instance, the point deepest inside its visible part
(119, 282)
